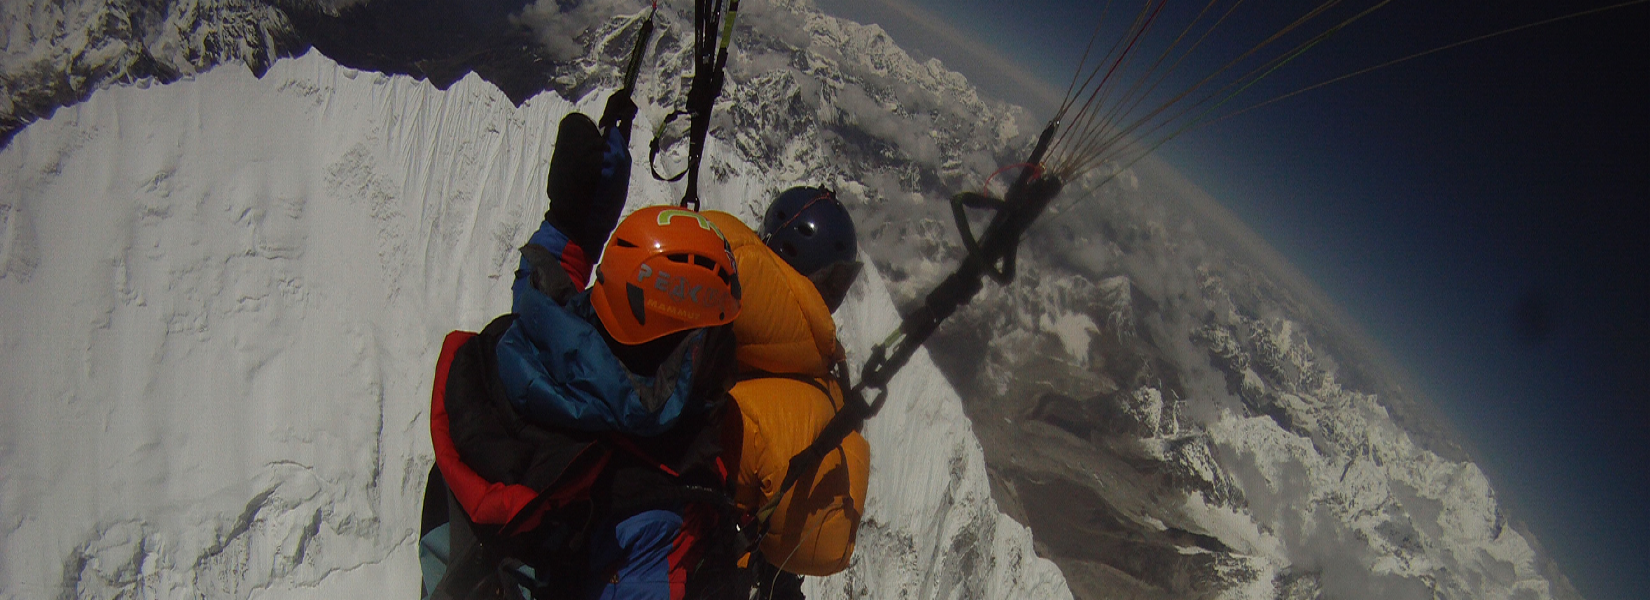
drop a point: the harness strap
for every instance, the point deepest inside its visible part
(471, 563)
(653, 149)
(712, 33)
(621, 108)
(972, 245)
(759, 374)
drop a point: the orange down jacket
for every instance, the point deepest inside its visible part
(785, 328)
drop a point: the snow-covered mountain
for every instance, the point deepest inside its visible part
(224, 287)
(1238, 435)
(1171, 408)
(221, 301)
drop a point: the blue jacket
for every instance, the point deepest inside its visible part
(558, 370)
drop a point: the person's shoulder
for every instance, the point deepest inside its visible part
(735, 231)
(568, 323)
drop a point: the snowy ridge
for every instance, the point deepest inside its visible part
(1409, 512)
(931, 529)
(57, 53)
(1204, 370)
(224, 296)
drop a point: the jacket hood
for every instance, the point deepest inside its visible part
(785, 326)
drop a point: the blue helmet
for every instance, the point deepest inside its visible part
(810, 229)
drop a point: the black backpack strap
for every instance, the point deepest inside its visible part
(808, 379)
(435, 502)
(775, 584)
(472, 568)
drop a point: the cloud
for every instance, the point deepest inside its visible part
(558, 29)
(935, 32)
(330, 7)
(884, 124)
(778, 22)
(748, 65)
(1318, 545)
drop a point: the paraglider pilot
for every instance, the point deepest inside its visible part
(585, 444)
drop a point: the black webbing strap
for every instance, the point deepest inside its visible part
(713, 29)
(634, 66)
(620, 111)
(471, 565)
(965, 200)
(798, 377)
(1025, 201)
(653, 149)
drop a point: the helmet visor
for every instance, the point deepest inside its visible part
(834, 280)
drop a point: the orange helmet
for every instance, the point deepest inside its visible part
(664, 270)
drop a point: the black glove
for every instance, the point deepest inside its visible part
(619, 113)
(589, 179)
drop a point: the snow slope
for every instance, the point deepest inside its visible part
(220, 300)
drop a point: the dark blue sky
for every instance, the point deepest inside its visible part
(1483, 212)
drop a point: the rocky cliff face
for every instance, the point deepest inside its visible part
(57, 53)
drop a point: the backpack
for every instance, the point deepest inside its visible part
(520, 501)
